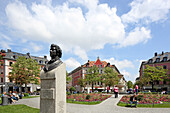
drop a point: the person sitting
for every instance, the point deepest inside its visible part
(133, 100)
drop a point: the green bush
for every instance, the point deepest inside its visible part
(140, 97)
(26, 94)
(72, 89)
(87, 97)
(68, 93)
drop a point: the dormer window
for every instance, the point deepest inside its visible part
(150, 61)
(87, 64)
(164, 59)
(158, 60)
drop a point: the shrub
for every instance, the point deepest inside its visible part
(140, 97)
(88, 97)
(26, 94)
(68, 93)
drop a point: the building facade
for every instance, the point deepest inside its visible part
(10, 57)
(162, 59)
(81, 72)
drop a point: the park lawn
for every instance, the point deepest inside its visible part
(18, 109)
(164, 105)
(27, 97)
(82, 102)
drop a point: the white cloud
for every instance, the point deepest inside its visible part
(71, 63)
(70, 27)
(147, 10)
(81, 53)
(35, 47)
(126, 74)
(136, 36)
(120, 64)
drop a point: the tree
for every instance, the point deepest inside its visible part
(25, 71)
(129, 84)
(110, 77)
(82, 82)
(153, 74)
(68, 79)
(92, 76)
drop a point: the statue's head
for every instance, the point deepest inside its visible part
(55, 51)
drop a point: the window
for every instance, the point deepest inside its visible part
(98, 82)
(101, 71)
(1, 79)
(101, 83)
(42, 68)
(89, 83)
(150, 60)
(86, 71)
(10, 63)
(158, 59)
(41, 62)
(1, 64)
(87, 64)
(165, 67)
(101, 66)
(98, 66)
(1, 70)
(165, 59)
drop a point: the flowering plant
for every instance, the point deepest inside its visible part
(147, 99)
(93, 97)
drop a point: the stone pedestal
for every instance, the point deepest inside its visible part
(53, 90)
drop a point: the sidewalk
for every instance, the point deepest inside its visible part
(108, 106)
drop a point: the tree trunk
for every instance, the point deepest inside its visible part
(26, 88)
(152, 85)
(92, 86)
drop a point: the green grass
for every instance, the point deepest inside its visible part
(81, 102)
(18, 109)
(30, 97)
(164, 105)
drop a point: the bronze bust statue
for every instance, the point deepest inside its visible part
(55, 53)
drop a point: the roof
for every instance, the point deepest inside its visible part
(160, 57)
(97, 62)
(14, 55)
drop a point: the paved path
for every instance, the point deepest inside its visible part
(108, 106)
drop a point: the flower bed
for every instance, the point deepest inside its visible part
(91, 98)
(147, 99)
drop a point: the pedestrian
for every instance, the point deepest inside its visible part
(133, 100)
(116, 91)
(136, 89)
(108, 89)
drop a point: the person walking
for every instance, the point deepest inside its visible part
(136, 89)
(116, 91)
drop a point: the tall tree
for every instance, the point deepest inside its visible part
(92, 75)
(68, 79)
(110, 77)
(82, 82)
(130, 84)
(153, 74)
(25, 71)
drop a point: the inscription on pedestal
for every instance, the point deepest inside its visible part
(47, 93)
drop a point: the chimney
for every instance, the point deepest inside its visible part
(3, 51)
(28, 55)
(162, 52)
(156, 54)
(88, 61)
(98, 57)
(45, 57)
(9, 50)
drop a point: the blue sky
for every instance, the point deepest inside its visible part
(122, 32)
